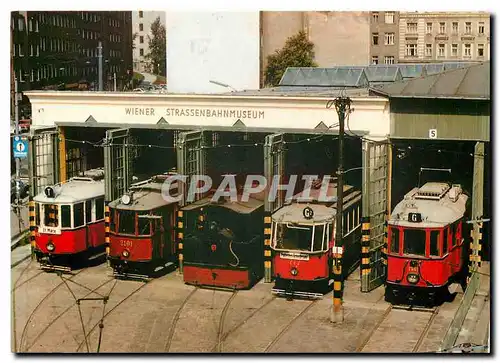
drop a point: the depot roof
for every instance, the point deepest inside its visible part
(472, 82)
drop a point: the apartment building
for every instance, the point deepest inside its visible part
(384, 37)
(444, 36)
(142, 21)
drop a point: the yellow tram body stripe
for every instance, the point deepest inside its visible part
(267, 253)
(267, 264)
(180, 225)
(267, 219)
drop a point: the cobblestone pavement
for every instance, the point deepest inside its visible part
(165, 315)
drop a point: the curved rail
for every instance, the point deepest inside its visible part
(221, 321)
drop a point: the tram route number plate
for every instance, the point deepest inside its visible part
(125, 243)
(294, 256)
(337, 250)
(49, 230)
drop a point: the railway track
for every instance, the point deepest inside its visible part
(221, 321)
(87, 334)
(64, 312)
(433, 313)
(177, 315)
(288, 326)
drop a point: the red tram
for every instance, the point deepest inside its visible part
(69, 220)
(223, 242)
(303, 235)
(142, 230)
(426, 246)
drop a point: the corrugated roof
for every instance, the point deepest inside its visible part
(326, 77)
(472, 82)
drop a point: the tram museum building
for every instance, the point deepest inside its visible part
(441, 120)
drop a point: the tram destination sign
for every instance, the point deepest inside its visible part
(49, 230)
(294, 256)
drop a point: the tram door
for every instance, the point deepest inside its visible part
(191, 159)
(43, 158)
(118, 163)
(274, 168)
(375, 192)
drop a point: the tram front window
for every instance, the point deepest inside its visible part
(144, 225)
(50, 215)
(299, 237)
(414, 242)
(126, 223)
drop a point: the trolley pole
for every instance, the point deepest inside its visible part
(343, 107)
(99, 54)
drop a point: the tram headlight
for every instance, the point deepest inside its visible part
(50, 247)
(126, 199)
(125, 253)
(294, 271)
(412, 278)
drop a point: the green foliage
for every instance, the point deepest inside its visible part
(157, 56)
(134, 37)
(298, 51)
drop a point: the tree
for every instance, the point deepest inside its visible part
(134, 37)
(298, 51)
(157, 56)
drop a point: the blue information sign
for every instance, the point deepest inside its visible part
(20, 147)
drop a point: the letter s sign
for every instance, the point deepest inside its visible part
(433, 133)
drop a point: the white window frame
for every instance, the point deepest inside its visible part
(441, 47)
(469, 48)
(30, 25)
(375, 58)
(428, 29)
(481, 25)
(20, 24)
(480, 46)
(389, 38)
(442, 27)
(410, 47)
(389, 17)
(454, 29)
(389, 58)
(412, 27)
(20, 53)
(454, 50)
(468, 27)
(31, 50)
(427, 48)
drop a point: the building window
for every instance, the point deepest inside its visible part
(389, 38)
(375, 59)
(428, 50)
(375, 17)
(481, 28)
(467, 50)
(389, 59)
(389, 17)
(21, 76)
(141, 39)
(140, 14)
(468, 27)
(31, 49)
(30, 25)
(441, 50)
(454, 50)
(480, 50)
(141, 27)
(454, 27)
(20, 53)
(141, 52)
(428, 28)
(442, 28)
(32, 78)
(375, 38)
(411, 27)
(20, 24)
(411, 50)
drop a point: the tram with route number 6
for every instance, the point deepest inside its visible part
(427, 245)
(303, 238)
(69, 222)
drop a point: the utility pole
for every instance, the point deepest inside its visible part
(16, 120)
(343, 108)
(99, 53)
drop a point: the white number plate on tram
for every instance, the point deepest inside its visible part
(49, 230)
(294, 256)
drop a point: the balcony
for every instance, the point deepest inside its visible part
(468, 37)
(442, 36)
(411, 36)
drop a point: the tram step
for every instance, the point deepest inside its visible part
(298, 294)
(51, 268)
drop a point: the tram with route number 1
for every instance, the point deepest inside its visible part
(303, 237)
(142, 230)
(69, 222)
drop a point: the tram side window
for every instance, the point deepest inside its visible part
(50, 215)
(394, 240)
(65, 216)
(37, 214)
(99, 209)
(88, 211)
(144, 226)
(414, 242)
(318, 237)
(434, 243)
(126, 223)
(78, 215)
(445, 241)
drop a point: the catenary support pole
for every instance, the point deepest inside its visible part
(343, 107)
(180, 239)
(477, 207)
(99, 54)
(16, 120)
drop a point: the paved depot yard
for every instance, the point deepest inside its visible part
(167, 315)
